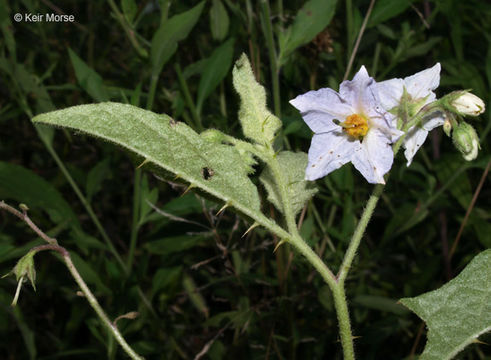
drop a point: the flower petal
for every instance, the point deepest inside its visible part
(422, 83)
(375, 157)
(415, 137)
(319, 108)
(433, 122)
(356, 92)
(328, 152)
(390, 92)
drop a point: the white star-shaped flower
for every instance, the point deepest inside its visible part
(420, 88)
(349, 126)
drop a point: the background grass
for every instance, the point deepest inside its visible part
(196, 284)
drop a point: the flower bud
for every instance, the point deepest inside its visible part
(466, 141)
(468, 104)
(447, 127)
(25, 268)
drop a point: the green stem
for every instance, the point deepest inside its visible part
(342, 313)
(151, 92)
(136, 216)
(273, 58)
(130, 32)
(97, 308)
(188, 99)
(314, 260)
(349, 28)
(164, 8)
(339, 296)
(358, 234)
(82, 199)
(53, 245)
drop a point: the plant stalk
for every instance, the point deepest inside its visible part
(273, 58)
(53, 245)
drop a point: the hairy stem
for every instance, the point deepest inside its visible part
(52, 245)
(358, 234)
(273, 58)
(98, 309)
(344, 323)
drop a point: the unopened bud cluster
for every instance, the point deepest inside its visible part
(457, 105)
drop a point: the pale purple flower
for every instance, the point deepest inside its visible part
(420, 88)
(349, 126)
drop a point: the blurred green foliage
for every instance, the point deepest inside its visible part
(198, 285)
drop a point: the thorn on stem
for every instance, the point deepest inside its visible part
(279, 244)
(131, 316)
(188, 188)
(222, 209)
(252, 227)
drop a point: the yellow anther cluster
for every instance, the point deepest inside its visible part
(355, 126)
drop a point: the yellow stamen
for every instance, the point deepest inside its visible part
(355, 126)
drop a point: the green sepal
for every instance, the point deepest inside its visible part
(25, 268)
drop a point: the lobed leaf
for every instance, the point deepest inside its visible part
(173, 146)
(458, 312)
(299, 191)
(258, 123)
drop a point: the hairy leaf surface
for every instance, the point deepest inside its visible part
(299, 191)
(170, 145)
(258, 123)
(458, 312)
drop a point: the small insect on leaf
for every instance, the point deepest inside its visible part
(207, 173)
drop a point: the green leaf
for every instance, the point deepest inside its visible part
(88, 78)
(258, 123)
(165, 40)
(387, 9)
(173, 146)
(461, 188)
(219, 20)
(129, 9)
(380, 303)
(89, 274)
(458, 312)
(310, 20)
(95, 178)
(299, 191)
(148, 197)
(24, 186)
(173, 244)
(28, 335)
(217, 67)
(165, 277)
(7, 28)
(195, 296)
